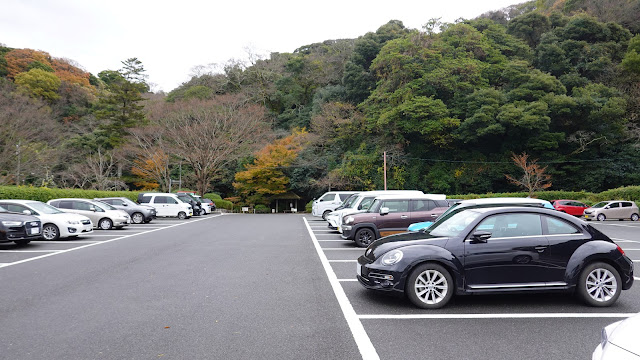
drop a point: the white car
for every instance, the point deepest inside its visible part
(166, 204)
(55, 223)
(619, 341)
(360, 202)
(102, 215)
(328, 202)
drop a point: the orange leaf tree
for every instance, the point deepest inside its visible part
(533, 178)
(265, 176)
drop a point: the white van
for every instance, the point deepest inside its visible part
(360, 202)
(328, 202)
(166, 204)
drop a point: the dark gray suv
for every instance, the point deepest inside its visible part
(139, 213)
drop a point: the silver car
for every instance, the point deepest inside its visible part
(139, 213)
(102, 215)
(613, 209)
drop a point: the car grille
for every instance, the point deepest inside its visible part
(24, 230)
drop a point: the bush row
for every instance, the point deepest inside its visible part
(631, 193)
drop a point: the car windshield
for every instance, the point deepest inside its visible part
(454, 224)
(349, 202)
(103, 205)
(128, 202)
(44, 208)
(600, 204)
(374, 206)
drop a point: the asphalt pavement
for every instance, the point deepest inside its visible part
(264, 287)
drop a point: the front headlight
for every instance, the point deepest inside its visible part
(349, 220)
(73, 222)
(12, 223)
(391, 257)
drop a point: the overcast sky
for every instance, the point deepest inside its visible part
(171, 37)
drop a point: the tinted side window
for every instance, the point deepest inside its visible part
(422, 205)
(441, 203)
(65, 204)
(145, 199)
(396, 205)
(160, 200)
(558, 227)
(81, 205)
(328, 197)
(626, 204)
(171, 200)
(108, 201)
(14, 207)
(614, 205)
(512, 225)
(344, 197)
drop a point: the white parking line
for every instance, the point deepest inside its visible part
(625, 240)
(359, 249)
(355, 325)
(636, 278)
(67, 242)
(347, 280)
(30, 251)
(94, 244)
(334, 240)
(496, 316)
(343, 261)
(631, 226)
(89, 235)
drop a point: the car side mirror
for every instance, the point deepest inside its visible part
(26, 212)
(92, 208)
(384, 211)
(606, 207)
(125, 204)
(480, 236)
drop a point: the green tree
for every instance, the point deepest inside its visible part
(120, 105)
(39, 83)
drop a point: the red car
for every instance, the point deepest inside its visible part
(571, 207)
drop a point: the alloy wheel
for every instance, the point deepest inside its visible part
(601, 285)
(431, 287)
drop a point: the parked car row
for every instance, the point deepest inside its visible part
(478, 246)
(22, 221)
(612, 209)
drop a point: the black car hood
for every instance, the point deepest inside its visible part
(388, 243)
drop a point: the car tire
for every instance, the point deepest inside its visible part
(137, 218)
(22, 242)
(105, 224)
(601, 217)
(50, 232)
(429, 286)
(599, 284)
(634, 217)
(324, 214)
(364, 237)
(182, 215)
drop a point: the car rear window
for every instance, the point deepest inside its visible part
(144, 199)
(626, 204)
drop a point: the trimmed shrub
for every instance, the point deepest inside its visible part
(46, 194)
(222, 204)
(212, 196)
(262, 209)
(309, 206)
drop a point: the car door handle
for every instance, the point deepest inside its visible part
(434, 215)
(404, 216)
(541, 248)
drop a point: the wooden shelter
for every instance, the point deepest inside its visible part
(285, 202)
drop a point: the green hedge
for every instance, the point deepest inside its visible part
(46, 194)
(212, 196)
(222, 204)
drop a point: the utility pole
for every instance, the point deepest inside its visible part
(385, 170)
(18, 155)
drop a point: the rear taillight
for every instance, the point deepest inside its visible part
(620, 249)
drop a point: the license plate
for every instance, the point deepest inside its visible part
(359, 269)
(586, 216)
(35, 231)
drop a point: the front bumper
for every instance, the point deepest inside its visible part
(121, 222)
(347, 232)
(378, 277)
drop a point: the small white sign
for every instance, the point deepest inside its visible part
(245, 209)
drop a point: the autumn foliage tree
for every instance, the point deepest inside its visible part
(265, 176)
(533, 178)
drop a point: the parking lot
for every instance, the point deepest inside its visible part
(12, 254)
(269, 287)
(540, 326)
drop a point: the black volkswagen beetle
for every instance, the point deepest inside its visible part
(497, 250)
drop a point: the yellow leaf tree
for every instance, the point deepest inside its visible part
(265, 176)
